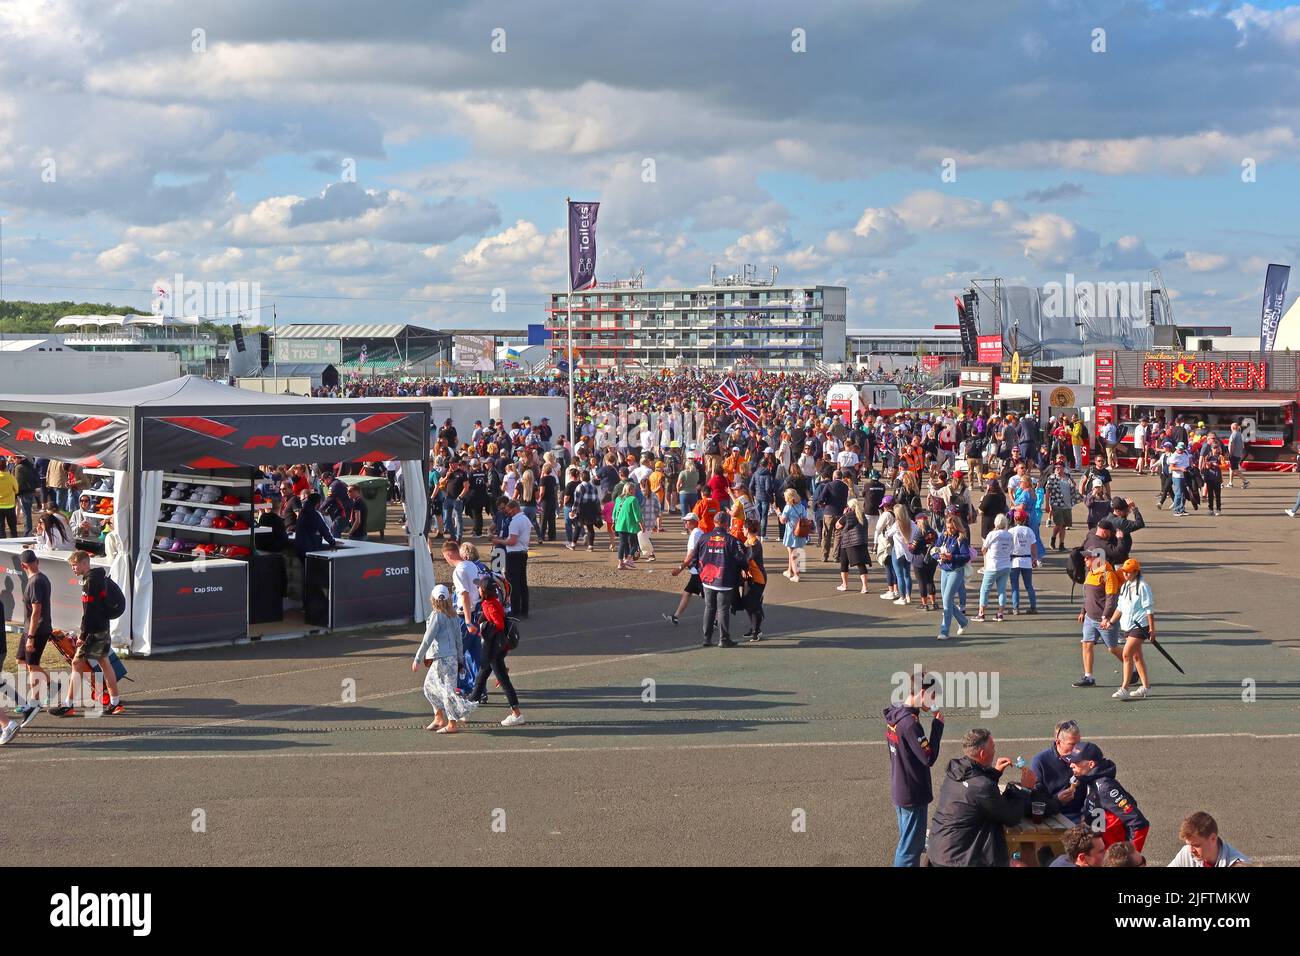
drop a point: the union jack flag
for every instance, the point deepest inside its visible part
(737, 402)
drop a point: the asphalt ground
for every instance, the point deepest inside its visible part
(737, 748)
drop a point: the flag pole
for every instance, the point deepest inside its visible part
(568, 225)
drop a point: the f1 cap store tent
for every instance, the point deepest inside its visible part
(195, 427)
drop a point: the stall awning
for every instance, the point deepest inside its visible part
(953, 392)
(1015, 391)
(1179, 400)
(193, 423)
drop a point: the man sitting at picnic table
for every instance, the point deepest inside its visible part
(1083, 847)
(967, 829)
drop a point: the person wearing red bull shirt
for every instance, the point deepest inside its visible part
(722, 558)
(1107, 807)
(911, 755)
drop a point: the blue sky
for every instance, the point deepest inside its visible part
(211, 138)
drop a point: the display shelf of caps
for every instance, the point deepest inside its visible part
(198, 480)
(104, 472)
(200, 529)
(206, 509)
(212, 505)
(101, 486)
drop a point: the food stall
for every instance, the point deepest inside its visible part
(1258, 390)
(180, 461)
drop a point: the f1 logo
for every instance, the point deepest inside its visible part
(372, 573)
(262, 441)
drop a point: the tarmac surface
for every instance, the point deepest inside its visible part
(769, 753)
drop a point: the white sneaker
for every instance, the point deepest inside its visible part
(944, 637)
(841, 587)
(901, 601)
(960, 630)
(1122, 694)
(908, 599)
(10, 731)
(513, 720)
(1289, 513)
(1140, 693)
(887, 596)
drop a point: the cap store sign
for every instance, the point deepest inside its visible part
(1234, 376)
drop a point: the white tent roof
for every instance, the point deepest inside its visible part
(99, 321)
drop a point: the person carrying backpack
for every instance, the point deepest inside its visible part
(495, 630)
(101, 601)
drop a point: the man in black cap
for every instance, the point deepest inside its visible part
(1107, 807)
(448, 434)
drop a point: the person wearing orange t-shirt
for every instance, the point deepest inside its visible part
(914, 457)
(706, 509)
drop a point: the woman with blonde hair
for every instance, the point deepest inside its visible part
(791, 516)
(909, 494)
(441, 652)
(853, 543)
(900, 535)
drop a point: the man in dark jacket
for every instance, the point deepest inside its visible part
(1028, 437)
(1125, 517)
(967, 829)
(28, 483)
(911, 755)
(722, 557)
(1102, 538)
(1052, 767)
(832, 498)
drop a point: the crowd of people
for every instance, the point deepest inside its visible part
(918, 499)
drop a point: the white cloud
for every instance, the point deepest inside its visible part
(118, 257)
(1191, 155)
(1204, 261)
(1052, 240)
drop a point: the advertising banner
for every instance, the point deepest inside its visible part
(474, 353)
(229, 441)
(193, 607)
(366, 588)
(582, 244)
(990, 349)
(89, 441)
(309, 351)
(1275, 281)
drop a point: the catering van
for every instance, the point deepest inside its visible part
(846, 399)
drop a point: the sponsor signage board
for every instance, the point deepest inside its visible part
(309, 351)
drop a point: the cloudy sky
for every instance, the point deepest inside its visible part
(382, 161)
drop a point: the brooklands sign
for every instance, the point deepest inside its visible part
(1237, 376)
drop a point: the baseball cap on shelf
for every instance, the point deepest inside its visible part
(1084, 751)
